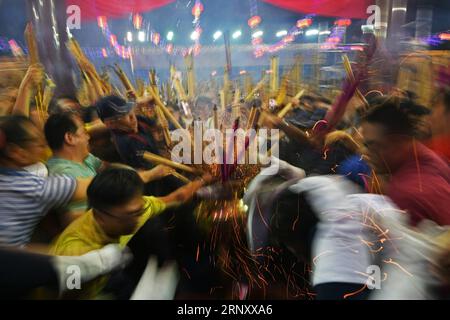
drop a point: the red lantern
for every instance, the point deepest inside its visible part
(254, 21)
(196, 49)
(356, 48)
(197, 9)
(104, 53)
(343, 22)
(137, 21)
(334, 40)
(258, 53)
(256, 41)
(113, 39)
(304, 23)
(169, 48)
(102, 22)
(156, 38)
(288, 39)
(444, 36)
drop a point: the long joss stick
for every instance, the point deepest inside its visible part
(253, 118)
(165, 126)
(166, 112)
(181, 177)
(151, 157)
(215, 118)
(274, 78)
(177, 84)
(38, 108)
(351, 76)
(288, 107)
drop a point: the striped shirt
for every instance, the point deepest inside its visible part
(25, 199)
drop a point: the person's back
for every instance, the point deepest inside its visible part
(25, 198)
(421, 186)
(419, 179)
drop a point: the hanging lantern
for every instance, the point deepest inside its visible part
(197, 9)
(196, 49)
(258, 53)
(334, 40)
(288, 39)
(156, 37)
(304, 23)
(104, 53)
(102, 22)
(113, 40)
(254, 21)
(137, 21)
(444, 36)
(343, 22)
(169, 48)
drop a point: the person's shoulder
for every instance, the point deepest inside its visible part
(145, 120)
(60, 166)
(70, 245)
(154, 204)
(93, 161)
(74, 240)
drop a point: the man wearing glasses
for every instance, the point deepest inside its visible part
(118, 210)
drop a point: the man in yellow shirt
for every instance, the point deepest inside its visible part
(118, 210)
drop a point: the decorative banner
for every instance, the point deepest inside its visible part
(355, 9)
(91, 9)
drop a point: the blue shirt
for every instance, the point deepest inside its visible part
(25, 199)
(128, 145)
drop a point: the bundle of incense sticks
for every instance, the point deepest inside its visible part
(351, 76)
(237, 96)
(83, 62)
(151, 157)
(124, 79)
(152, 79)
(41, 105)
(189, 62)
(166, 112)
(274, 68)
(30, 39)
(288, 107)
(177, 85)
(251, 118)
(282, 93)
(164, 124)
(256, 88)
(140, 87)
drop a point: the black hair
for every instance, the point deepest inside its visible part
(89, 114)
(396, 115)
(14, 129)
(55, 105)
(114, 186)
(57, 126)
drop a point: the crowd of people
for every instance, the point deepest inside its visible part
(369, 191)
